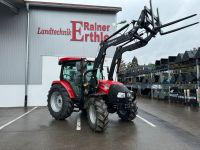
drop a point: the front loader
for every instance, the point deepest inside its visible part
(82, 85)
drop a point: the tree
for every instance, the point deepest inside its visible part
(129, 65)
(122, 67)
(133, 63)
(151, 66)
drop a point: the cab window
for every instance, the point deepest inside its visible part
(70, 70)
(89, 66)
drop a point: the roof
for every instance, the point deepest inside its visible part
(179, 58)
(163, 61)
(64, 59)
(12, 6)
(74, 6)
(157, 63)
(172, 59)
(189, 55)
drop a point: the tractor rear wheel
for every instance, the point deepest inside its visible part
(59, 104)
(97, 114)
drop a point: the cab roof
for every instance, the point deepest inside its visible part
(65, 59)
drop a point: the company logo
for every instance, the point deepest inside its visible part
(80, 31)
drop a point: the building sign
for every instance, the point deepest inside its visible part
(80, 31)
(69, 33)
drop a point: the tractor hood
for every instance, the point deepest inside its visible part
(104, 85)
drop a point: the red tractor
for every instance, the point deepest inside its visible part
(72, 91)
(82, 84)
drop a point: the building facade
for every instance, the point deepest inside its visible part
(35, 35)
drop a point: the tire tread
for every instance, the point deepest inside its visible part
(67, 107)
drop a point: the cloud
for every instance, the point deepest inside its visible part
(169, 45)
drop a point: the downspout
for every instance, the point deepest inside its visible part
(197, 65)
(27, 57)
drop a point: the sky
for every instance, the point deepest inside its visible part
(161, 46)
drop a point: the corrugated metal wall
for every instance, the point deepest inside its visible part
(60, 45)
(13, 41)
(12, 47)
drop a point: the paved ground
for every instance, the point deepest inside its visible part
(159, 126)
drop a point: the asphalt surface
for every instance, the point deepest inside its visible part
(159, 126)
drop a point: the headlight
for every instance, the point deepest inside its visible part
(121, 95)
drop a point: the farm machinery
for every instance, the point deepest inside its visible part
(83, 86)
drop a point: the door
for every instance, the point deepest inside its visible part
(71, 74)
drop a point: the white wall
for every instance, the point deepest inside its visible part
(13, 95)
(37, 94)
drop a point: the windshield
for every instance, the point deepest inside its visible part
(89, 66)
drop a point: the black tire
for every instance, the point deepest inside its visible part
(127, 115)
(99, 124)
(66, 108)
(84, 112)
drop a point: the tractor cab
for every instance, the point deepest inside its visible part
(73, 70)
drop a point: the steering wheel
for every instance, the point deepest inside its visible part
(88, 76)
(67, 75)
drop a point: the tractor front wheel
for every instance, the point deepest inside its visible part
(59, 104)
(128, 115)
(97, 114)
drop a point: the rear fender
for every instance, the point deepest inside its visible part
(67, 87)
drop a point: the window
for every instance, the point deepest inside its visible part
(89, 66)
(70, 70)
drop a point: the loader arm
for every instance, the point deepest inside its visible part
(110, 41)
(142, 31)
(120, 50)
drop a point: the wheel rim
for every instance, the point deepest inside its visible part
(56, 102)
(92, 114)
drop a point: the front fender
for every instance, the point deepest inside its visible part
(67, 87)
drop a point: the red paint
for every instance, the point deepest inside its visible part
(80, 31)
(69, 59)
(93, 32)
(102, 83)
(53, 31)
(76, 30)
(101, 86)
(67, 86)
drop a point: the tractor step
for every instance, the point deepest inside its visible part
(76, 110)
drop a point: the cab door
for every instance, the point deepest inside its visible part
(71, 74)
